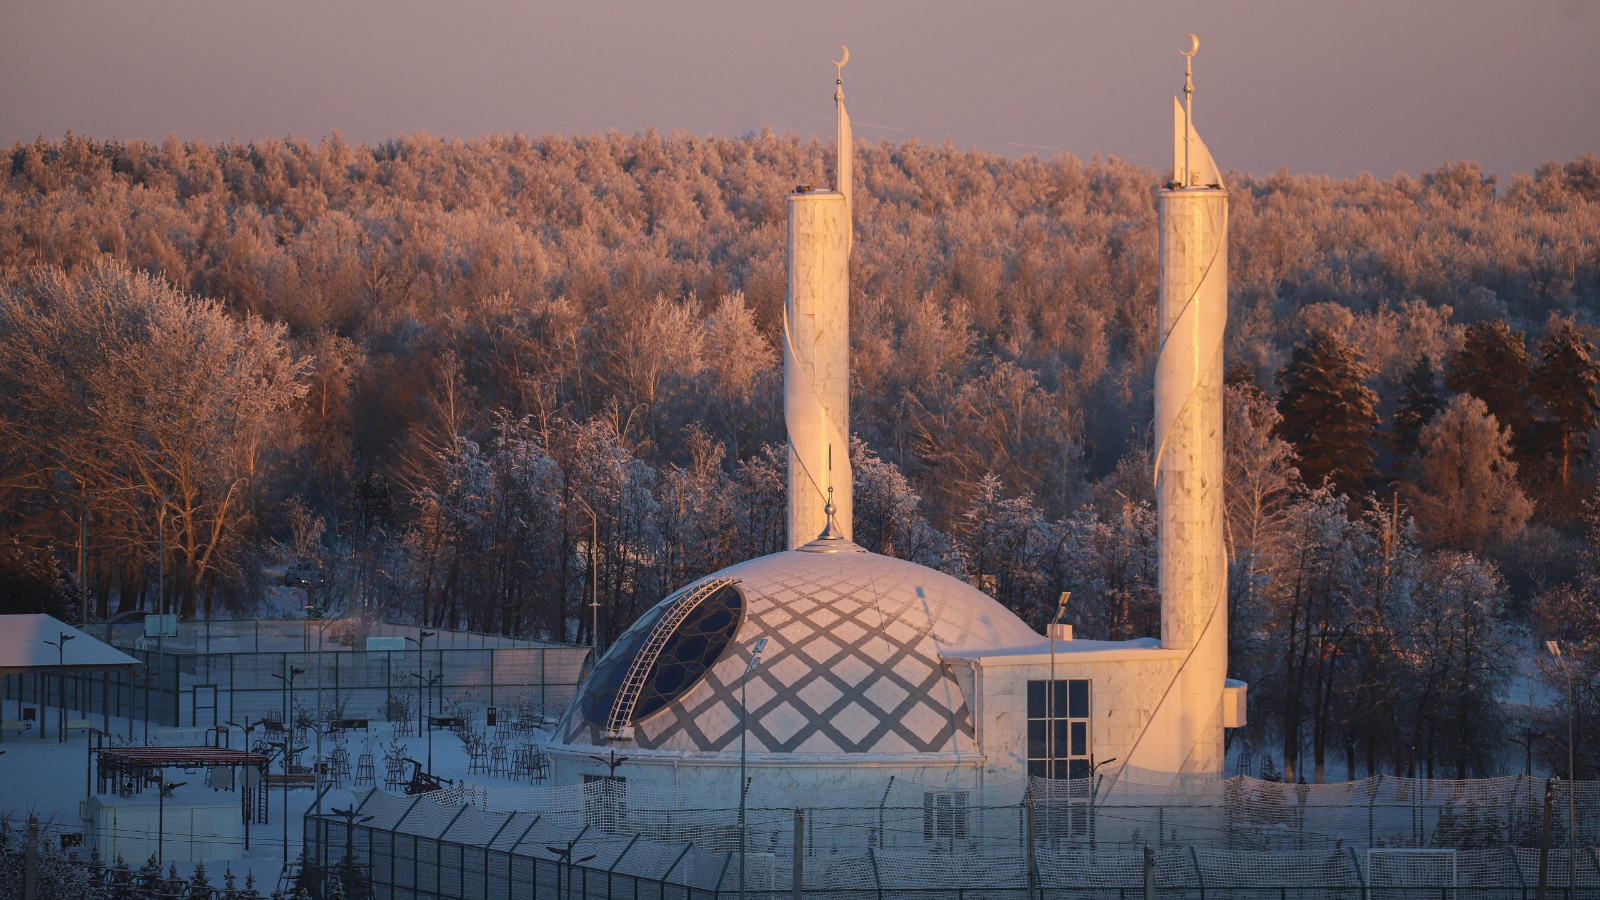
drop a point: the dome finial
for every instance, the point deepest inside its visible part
(830, 532)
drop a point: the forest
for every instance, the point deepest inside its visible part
(461, 382)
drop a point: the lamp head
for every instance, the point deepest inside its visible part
(1554, 648)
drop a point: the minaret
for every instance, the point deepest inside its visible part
(816, 348)
(1185, 732)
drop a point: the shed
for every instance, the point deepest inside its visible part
(43, 646)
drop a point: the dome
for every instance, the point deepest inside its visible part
(852, 664)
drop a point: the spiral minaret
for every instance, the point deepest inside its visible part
(1185, 731)
(816, 351)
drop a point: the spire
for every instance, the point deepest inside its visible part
(1192, 165)
(845, 168)
(830, 532)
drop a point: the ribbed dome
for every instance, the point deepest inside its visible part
(852, 663)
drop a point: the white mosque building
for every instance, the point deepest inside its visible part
(873, 667)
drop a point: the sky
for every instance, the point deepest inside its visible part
(1334, 88)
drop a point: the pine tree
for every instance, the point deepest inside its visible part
(1493, 365)
(1421, 401)
(1328, 412)
(1564, 386)
(1466, 495)
(199, 884)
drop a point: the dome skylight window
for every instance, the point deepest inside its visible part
(662, 656)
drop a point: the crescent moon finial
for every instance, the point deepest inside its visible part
(840, 63)
(1194, 46)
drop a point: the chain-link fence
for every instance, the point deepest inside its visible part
(212, 673)
(1244, 838)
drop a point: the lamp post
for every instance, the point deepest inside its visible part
(288, 718)
(244, 773)
(318, 613)
(60, 643)
(421, 636)
(1572, 758)
(755, 663)
(349, 861)
(317, 763)
(1050, 692)
(430, 681)
(565, 855)
(288, 749)
(594, 576)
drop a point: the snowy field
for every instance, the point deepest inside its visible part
(49, 779)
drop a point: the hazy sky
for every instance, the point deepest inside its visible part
(1330, 87)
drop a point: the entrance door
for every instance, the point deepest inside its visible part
(205, 706)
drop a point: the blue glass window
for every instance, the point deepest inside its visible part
(688, 654)
(1058, 728)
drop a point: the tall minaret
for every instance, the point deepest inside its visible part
(1185, 732)
(816, 348)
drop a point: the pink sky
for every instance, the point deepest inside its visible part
(1335, 88)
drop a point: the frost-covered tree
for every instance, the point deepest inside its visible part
(146, 409)
(1419, 404)
(1004, 543)
(1564, 387)
(1493, 365)
(1466, 495)
(1328, 413)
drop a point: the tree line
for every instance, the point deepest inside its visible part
(467, 381)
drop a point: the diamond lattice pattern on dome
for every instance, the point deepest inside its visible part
(852, 665)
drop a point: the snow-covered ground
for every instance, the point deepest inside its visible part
(49, 779)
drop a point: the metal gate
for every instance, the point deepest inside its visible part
(205, 706)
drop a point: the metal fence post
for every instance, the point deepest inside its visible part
(799, 850)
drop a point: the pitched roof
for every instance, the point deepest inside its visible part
(23, 647)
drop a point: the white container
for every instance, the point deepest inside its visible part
(191, 831)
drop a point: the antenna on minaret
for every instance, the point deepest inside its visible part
(1188, 106)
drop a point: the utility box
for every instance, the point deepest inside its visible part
(191, 831)
(1233, 708)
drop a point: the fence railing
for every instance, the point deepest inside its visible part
(418, 849)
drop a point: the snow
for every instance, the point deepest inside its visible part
(49, 779)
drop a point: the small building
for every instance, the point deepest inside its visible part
(46, 663)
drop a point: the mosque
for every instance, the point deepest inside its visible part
(833, 667)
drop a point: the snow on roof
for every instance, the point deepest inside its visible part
(23, 647)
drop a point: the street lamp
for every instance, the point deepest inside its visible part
(288, 749)
(1056, 628)
(288, 717)
(421, 636)
(565, 855)
(348, 864)
(594, 575)
(755, 663)
(1572, 816)
(244, 773)
(61, 685)
(430, 681)
(317, 761)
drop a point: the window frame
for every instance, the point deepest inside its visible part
(1061, 723)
